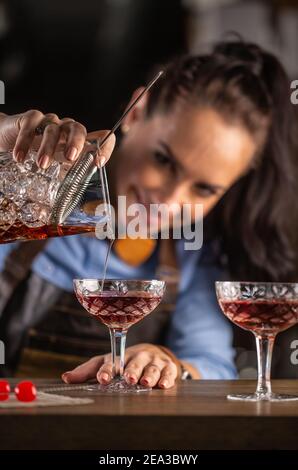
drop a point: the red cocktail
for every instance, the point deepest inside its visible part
(265, 309)
(119, 312)
(262, 316)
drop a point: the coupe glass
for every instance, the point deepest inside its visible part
(118, 304)
(265, 309)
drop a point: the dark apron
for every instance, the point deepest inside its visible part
(41, 322)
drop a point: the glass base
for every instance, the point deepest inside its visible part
(118, 386)
(273, 397)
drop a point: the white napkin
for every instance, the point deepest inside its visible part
(44, 399)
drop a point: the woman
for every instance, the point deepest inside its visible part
(216, 131)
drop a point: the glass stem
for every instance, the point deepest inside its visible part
(264, 352)
(118, 339)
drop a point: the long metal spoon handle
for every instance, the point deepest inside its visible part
(146, 89)
(75, 182)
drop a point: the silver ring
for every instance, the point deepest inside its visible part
(39, 130)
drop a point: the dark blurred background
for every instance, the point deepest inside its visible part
(83, 59)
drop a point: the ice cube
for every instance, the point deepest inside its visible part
(14, 185)
(53, 170)
(33, 214)
(29, 165)
(19, 200)
(52, 192)
(9, 184)
(8, 212)
(38, 188)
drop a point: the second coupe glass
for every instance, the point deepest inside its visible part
(265, 309)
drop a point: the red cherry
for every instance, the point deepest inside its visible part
(4, 390)
(25, 391)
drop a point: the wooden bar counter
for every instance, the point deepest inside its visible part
(193, 415)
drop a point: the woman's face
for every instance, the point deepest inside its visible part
(188, 155)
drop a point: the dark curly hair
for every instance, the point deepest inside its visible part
(248, 85)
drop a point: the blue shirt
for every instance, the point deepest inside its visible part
(198, 333)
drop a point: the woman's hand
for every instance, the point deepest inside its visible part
(144, 363)
(19, 133)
